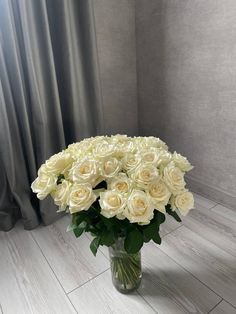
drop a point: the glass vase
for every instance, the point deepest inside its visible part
(126, 268)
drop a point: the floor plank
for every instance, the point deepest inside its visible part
(215, 228)
(70, 257)
(99, 296)
(27, 283)
(225, 212)
(169, 225)
(171, 289)
(211, 265)
(224, 308)
(204, 202)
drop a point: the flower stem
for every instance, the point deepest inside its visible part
(126, 270)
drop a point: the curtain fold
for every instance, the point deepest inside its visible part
(50, 95)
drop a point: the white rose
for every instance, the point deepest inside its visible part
(174, 178)
(98, 138)
(155, 142)
(150, 157)
(59, 163)
(141, 143)
(164, 157)
(184, 202)
(44, 184)
(119, 152)
(81, 197)
(120, 216)
(159, 194)
(139, 208)
(119, 138)
(112, 203)
(61, 194)
(144, 175)
(124, 148)
(181, 162)
(81, 150)
(89, 145)
(128, 146)
(110, 167)
(120, 183)
(42, 170)
(84, 171)
(75, 150)
(103, 149)
(131, 162)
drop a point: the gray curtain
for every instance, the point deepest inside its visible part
(49, 95)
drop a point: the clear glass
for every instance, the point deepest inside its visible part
(126, 268)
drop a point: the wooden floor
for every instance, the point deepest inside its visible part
(48, 270)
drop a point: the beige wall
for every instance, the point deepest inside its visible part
(186, 52)
(115, 30)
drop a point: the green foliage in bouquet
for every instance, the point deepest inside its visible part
(107, 230)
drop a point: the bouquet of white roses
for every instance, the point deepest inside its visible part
(117, 187)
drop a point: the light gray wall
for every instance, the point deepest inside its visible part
(115, 30)
(186, 53)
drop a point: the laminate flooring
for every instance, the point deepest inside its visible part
(48, 270)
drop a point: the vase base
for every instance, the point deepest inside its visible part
(126, 290)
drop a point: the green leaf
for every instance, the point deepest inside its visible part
(94, 245)
(159, 217)
(77, 218)
(78, 232)
(60, 178)
(95, 207)
(168, 207)
(107, 238)
(101, 185)
(133, 241)
(150, 230)
(100, 225)
(156, 238)
(173, 214)
(108, 222)
(80, 229)
(71, 227)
